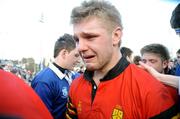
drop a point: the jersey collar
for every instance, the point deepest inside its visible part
(114, 72)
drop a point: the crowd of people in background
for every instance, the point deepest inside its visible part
(17, 69)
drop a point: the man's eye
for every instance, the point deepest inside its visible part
(153, 62)
(76, 55)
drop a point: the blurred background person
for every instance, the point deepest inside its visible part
(127, 53)
(136, 59)
(168, 79)
(157, 56)
(52, 83)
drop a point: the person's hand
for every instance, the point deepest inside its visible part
(164, 78)
(150, 69)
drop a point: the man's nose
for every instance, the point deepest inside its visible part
(82, 45)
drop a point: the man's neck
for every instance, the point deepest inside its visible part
(59, 67)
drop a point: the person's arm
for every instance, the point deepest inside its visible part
(169, 80)
(164, 78)
(42, 89)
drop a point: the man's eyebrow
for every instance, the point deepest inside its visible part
(89, 34)
(86, 33)
(152, 60)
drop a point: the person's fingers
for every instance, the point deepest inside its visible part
(142, 65)
(146, 67)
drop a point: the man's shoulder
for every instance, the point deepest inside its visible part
(45, 76)
(145, 84)
(78, 81)
(137, 71)
(143, 78)
(47, 72)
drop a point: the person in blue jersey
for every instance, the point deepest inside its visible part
(52, 83)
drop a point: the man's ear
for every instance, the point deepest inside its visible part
(116, 36)
(63, 53)
(165, 64)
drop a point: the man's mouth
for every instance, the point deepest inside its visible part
(88, 58)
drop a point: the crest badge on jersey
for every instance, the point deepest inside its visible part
(117, 112)
(79, 107)
(64, 92)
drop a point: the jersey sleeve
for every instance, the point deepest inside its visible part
(44, 92)
(160, 105)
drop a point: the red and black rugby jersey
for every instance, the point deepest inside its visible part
(126, 92)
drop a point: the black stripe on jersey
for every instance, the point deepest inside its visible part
(167, 114)
(71, 112)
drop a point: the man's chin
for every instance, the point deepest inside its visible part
(90, 67)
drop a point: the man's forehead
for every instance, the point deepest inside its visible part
(89, 24)
(150, 54)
